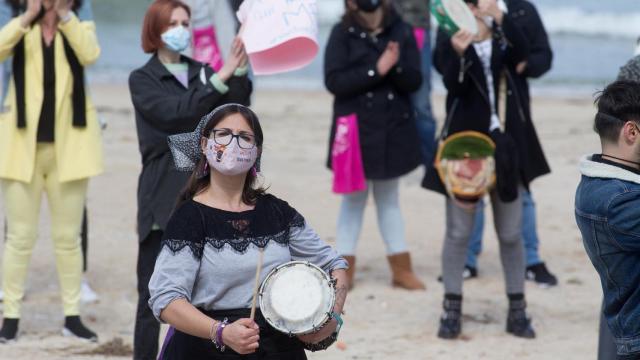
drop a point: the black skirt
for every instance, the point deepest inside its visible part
(273, 345)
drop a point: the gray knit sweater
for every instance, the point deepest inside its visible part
(209, 256)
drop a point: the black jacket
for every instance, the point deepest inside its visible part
(468, 105)
(388, 137)
(164, 107)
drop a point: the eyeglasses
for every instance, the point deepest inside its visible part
(225, 136)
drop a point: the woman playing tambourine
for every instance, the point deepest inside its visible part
(203, 282)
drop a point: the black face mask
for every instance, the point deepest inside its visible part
(368, 6)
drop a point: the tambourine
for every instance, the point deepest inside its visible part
(454, 15)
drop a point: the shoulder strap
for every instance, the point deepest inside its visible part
(447, 123)
(502, 101)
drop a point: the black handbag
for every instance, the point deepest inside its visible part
(507, 165)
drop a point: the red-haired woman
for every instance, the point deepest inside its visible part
(170, 94)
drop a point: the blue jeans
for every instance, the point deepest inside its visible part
(529, 233)
(421, 100)
(390, 222)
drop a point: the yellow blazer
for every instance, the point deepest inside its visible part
(78, 150)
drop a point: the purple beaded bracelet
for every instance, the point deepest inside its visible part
(218, 341)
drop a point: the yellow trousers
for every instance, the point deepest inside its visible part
(22, 206)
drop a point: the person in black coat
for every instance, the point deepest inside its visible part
(474, 70)
(170, 95)
(538, 62)
(372, 66)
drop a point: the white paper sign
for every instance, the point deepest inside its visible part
(279, 35)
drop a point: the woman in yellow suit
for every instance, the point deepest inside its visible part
(49, 142)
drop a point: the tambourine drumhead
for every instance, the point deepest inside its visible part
(297, 297)
(466, 165)
(454, 15)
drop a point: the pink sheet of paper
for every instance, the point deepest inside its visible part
(419, 34)
(279, 35)
(205, 47)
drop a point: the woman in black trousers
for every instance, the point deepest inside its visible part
(170, 94)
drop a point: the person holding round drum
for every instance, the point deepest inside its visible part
(476, 71)
(203, 282)
(170, 94)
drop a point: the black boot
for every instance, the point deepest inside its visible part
(74, 327)
(451, 320)
(518, 323)
(9, 330)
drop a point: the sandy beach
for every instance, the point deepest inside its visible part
(380, 322)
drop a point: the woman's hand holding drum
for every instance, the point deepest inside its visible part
(461, 41)
(322, 334)
(341, 296)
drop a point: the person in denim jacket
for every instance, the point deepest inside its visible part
(607, 210)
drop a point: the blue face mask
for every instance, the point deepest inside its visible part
(177, 38)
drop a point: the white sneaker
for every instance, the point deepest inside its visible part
(87, 295)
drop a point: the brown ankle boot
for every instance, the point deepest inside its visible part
(402, 272)
(352, 269)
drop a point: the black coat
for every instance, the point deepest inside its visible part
(468, 105)
(164, 107)
(388, 135)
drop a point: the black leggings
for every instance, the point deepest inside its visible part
(147, 328)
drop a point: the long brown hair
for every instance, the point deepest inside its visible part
(197, 183)
(351, 17)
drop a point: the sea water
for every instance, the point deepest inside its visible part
(591, 39)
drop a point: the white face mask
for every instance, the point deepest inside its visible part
(177, 38)
(230, 159)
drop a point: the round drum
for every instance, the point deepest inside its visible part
(297, 298)
(466, 165)
(454, 15)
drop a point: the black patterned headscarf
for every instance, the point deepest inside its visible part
(185, 147)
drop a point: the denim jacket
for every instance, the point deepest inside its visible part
(607, 210)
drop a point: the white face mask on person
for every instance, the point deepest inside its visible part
(230, 159)
(177, 38)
